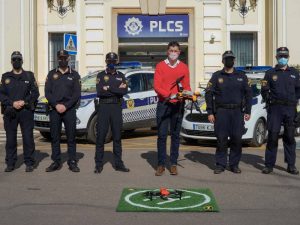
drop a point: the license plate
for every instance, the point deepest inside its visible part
(43, 118)
(203, 127)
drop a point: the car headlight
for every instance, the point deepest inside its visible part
(85, 102)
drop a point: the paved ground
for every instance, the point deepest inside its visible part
(86, 198)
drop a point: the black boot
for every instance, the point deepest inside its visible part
(122, 168)
(292, 170)
(267, 170)
(73, 166)
(53, 167)
(9, 169)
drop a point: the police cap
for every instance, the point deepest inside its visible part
(16, 55)
(284, 51)
(62, 53)
(228, 54)
(111, 56)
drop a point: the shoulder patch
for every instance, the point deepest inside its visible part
(264, 83)
(55, 76)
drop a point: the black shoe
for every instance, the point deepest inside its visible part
(122, 168)
(235, 169)
(267, 170)
(292, 170)
(98, 169)
(74, 167)
(54, 166)
(9, 169)
(219, 169)
(29, 169)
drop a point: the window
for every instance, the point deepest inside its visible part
(150, 81)
(88, 84)
(255, 86)
(135, 83)
(56, 43)
(244, 47)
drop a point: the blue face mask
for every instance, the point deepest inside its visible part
(283, 61)
(111, 66)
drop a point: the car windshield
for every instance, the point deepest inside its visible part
(255, 86)
(88, 83)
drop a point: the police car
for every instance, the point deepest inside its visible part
(195, 125)
(139, 105)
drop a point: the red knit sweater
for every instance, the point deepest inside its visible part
(165, 77)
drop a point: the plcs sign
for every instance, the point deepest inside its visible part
(138, 26)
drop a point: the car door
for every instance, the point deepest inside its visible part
(135, 106)
(152, 97)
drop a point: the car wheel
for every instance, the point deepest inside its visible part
(190, 140)
(259, 134)
(46, 135)
(92, 132)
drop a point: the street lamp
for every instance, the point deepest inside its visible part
(60, 7)
(242, 6)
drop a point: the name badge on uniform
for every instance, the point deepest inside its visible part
(275, 77)
(240, 79)
(26, 81)
(106, 78)
(118, 78)
(293, 76)
(70, 78)
(220, 80)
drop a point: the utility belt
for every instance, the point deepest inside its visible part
(229, 106)
(110, 100)
(282, 102)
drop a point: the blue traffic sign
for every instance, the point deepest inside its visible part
(70, 43)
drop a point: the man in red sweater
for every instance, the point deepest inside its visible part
(169, 112)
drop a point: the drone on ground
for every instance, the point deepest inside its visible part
(164, 194)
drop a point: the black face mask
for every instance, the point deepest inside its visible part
(17, 64)
(229, 62)
(63, 63)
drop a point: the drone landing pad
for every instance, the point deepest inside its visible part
(192, 200)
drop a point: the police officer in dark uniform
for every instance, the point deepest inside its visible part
(18, 95)
(111, 86)
(63, 90)
(280, 91)
(229, 100)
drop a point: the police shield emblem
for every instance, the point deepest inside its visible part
(106, 78)
(275, 77)
(55, 76)
(130, 103)
(220, 80)
(7, 81)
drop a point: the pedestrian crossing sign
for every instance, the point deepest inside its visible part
(70, 43)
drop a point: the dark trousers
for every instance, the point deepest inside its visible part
(229, 124)
(109, 115)
(25, 119)
(69, 120)
(281, 115)
(168, 116)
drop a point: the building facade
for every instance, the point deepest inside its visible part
(139, 30)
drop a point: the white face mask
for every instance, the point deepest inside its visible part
(173, 56)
